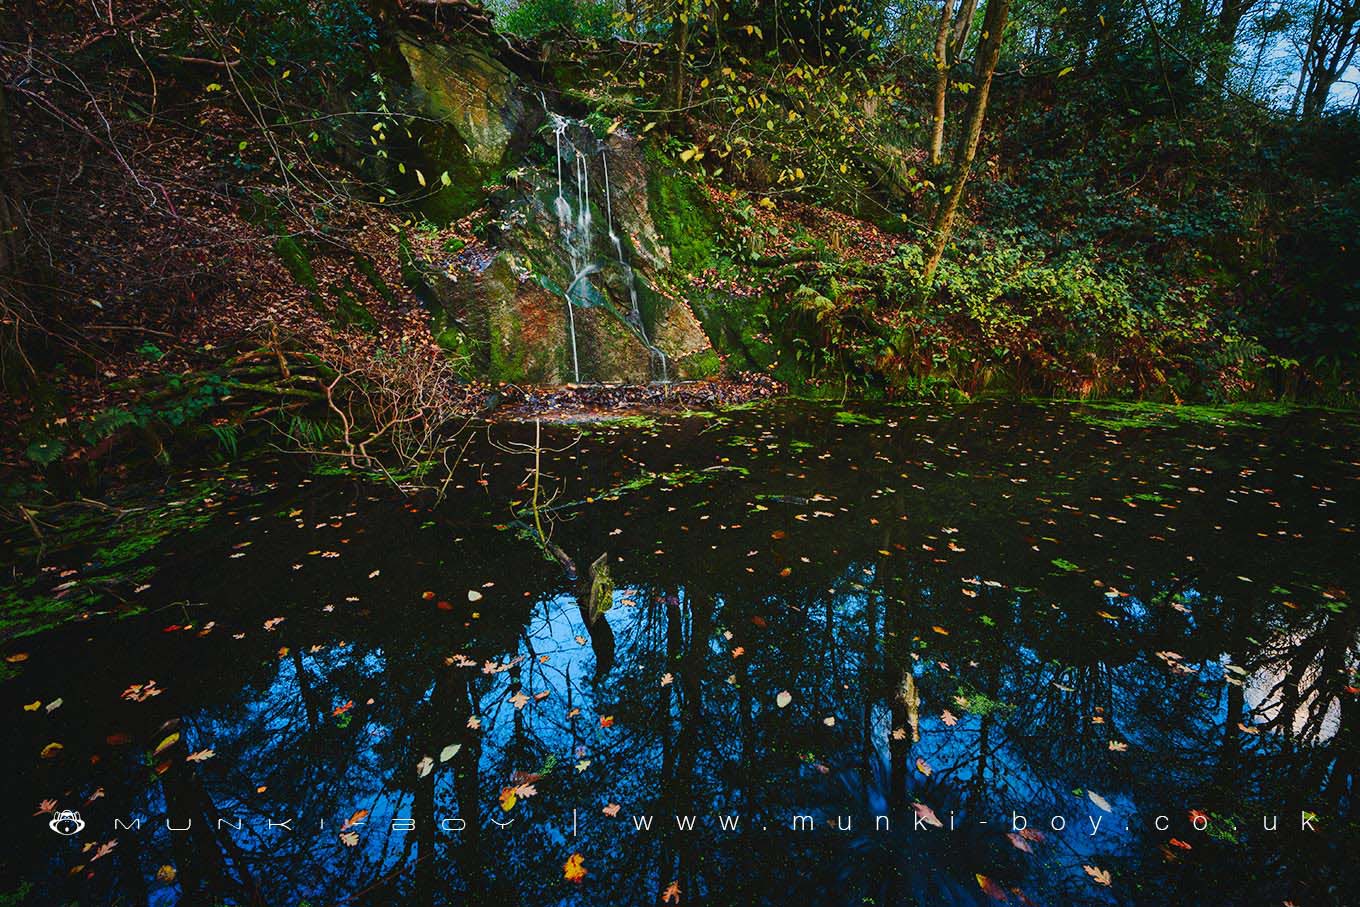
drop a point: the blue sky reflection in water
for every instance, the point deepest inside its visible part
(939, 616)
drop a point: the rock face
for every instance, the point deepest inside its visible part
(480, 118)
(566, 290)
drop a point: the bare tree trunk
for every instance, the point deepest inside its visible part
(1308, 51)
(941, 80)
(989, 51)
(681, 27)
(963, 24)
(1225, 39)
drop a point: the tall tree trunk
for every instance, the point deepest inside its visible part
(1305, 64)
(1333, 50)
(1225, 40)
(681, 29)
(963, 24)
(989, 51)
(941, 80)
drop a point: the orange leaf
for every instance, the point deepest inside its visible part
(574, 870)
(672, 894)
(990, 888)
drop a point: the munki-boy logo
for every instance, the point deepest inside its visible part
(67, 822)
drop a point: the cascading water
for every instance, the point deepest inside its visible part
(577, 230)
(564, 221)
(634, 313)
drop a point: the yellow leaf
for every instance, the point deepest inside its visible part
(574, 870)
(166, 743)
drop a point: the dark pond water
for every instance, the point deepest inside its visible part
(910, 626)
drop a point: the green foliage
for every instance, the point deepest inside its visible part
(529, 18)
(680, 216)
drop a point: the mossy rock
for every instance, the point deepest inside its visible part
(483, 118)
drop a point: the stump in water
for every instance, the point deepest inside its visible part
(594, 597)
(597, 590)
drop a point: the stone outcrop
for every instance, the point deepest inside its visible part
(578, 227)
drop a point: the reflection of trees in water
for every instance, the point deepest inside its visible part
(851, 634)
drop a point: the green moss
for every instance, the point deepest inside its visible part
(297, 261)
(680, 216)
(508, 354)
(845, 417)
(703, 364)
(117, 543)
(1145, 414)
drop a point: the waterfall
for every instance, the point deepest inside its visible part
(634, 312)
(577, 230)
(563, 209)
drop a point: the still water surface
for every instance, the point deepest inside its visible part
(910, 626)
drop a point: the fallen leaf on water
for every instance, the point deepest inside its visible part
(1100, 801)
(51, 750)
(166, 873)
(923, 767)
(990, 888)
(56, 704)
(672, 894)
(611, 810)
(165, 744)
(449, 751)
(424, 766)
(606, 721)
(667, 679)
(948, 718)
(359, 816)
(45, 806)
(829, 721)
(474, 595)
(1118, 746)
(927, 815)
(783, 699)
(574, 870)
(141, 692)
(1018, 842)
(33, 706)
(349, 838)
(16, 657)
(200, 756)
(1098, 875)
